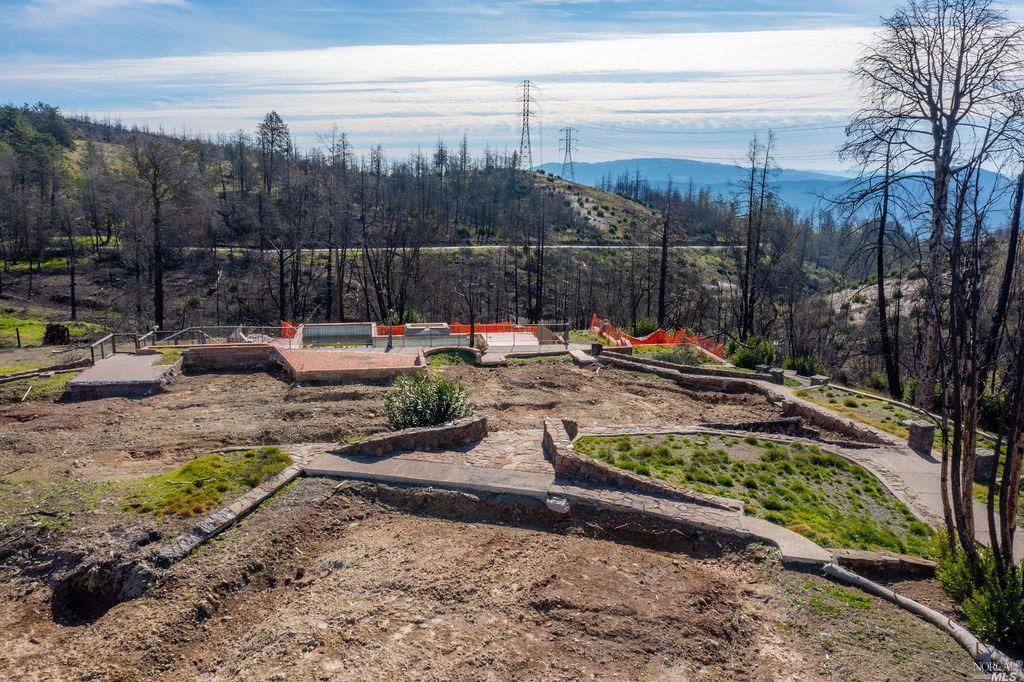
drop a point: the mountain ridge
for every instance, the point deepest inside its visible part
(807, 191)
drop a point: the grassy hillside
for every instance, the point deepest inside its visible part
(611, 218)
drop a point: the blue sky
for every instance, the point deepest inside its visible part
(687, 79)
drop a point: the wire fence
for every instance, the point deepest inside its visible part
(288, 336)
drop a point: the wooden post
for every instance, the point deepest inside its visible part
(17, 335)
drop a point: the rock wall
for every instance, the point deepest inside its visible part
(567, 462)
(702, 371)
(701, 383)
(451, 435)
(831, 423)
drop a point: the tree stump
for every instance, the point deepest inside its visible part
(56, 335)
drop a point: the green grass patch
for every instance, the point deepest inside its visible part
(37, 388)
(832, 600)
(449, 358)
(822, 496)
(587, 336)
(14, 369)
(561, 357)
(679, 354)
(169, 356)
(33, 328)
(204, 482)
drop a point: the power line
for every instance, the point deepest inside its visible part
(568, 146)
(526, 99)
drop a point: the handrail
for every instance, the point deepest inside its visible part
(112, 340)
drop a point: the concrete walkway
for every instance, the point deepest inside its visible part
(121, 375)
(513, 462)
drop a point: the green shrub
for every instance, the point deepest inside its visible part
(991, 407)
(850, 402)
(425, 400)
(910, 390)
(994, 611)
(643, 327)
(878, 381)
(750, 355)
(681, 354)
(805, 366)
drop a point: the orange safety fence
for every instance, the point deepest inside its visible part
(656, 338)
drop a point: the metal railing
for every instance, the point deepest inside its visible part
(200, 336)
(108, 345)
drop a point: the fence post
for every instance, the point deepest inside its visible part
(113, 345)
(92, 354)
(17, 334)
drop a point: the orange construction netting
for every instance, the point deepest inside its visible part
(657, 338)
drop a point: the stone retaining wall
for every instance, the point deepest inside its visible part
(567, 462)
(790, 408)
(886, 564)
(222, 519)
(830, 422)
(693, 381)
(701, 371)
(230, 357)
(444, 437)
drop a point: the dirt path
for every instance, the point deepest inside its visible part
(341, 586)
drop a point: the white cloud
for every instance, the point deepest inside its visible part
(702, 81)
(47, 13)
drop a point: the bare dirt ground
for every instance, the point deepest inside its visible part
(521, 395)
(321, 584)
(123, 438)
(325, 584)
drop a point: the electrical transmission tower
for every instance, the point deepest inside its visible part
(568, 146)
(525, 152)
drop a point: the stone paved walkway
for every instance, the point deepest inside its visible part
(512, 462)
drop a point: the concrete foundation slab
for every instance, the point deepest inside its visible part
(122, 375)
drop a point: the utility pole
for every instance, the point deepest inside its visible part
(526, 99)
(568, 146)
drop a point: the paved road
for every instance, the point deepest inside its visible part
(495, 247)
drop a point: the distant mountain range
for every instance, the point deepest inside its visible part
(806, 191)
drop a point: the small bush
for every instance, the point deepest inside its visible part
(994, 611)
(910, 390)
(850, 402)
(425, 400)
(878, 381)
(750, 355)
(805, 366)
(643, 327)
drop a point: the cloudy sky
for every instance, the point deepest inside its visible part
(654, 78)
